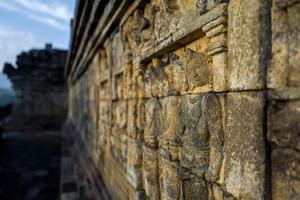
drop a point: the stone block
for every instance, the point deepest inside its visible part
(245, 145)
(247, 46)
(284, 69)
(294, 43)
(278, 72)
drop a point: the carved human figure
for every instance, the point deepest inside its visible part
(104, 125)
(150, 166)
(147, 37)
(168, 151)
(132, 30)
(197, 128)
(191, 70)
(153, 81)
(201, 6)
(180, 80)
(153, 126)
(197, 69)
(131, 39)
(162, 76)
(120, 130)
(202, 140)
(166, 18)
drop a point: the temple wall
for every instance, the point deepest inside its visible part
(185, 99)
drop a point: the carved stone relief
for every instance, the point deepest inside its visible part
(196, 133)
(184, 111)
(205, 5)
(168, 152)
(119, 124)
(150, 153)
(185, 70)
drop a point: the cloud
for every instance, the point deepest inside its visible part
(52, 8)
(8, 6)
(12, 41)
(48, 21)
(53, 13)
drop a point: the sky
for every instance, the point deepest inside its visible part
(27, 24)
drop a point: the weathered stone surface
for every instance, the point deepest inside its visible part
(247, 24)
(283, 76)
(245, 145)
(134, 156)
(183, 100)
(285, 174)
(151, 173)
(284, 69)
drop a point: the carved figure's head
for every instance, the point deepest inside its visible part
(197, 70)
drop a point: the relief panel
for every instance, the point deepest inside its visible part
(150, 150)
(185, 70)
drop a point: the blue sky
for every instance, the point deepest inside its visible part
(26, 24)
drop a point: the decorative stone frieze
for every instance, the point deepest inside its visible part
(188, 99)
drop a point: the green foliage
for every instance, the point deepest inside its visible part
(5, 96)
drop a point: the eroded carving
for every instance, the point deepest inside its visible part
(147, 29)
(167, 18)
(132, 31)
(180, 79)
(153, 123)
(152, 130)
(205, 5)
(197, 127)
(196, 69)
(168, 152)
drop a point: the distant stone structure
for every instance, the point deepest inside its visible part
(39, 90)
(183, 100)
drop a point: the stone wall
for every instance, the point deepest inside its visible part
(185, 99)
(40, 97)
